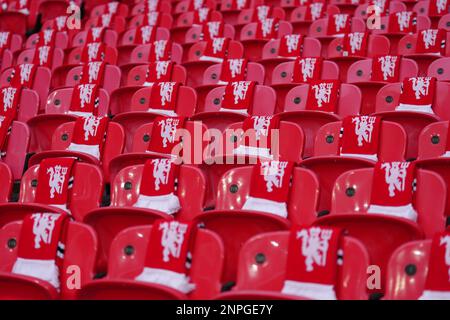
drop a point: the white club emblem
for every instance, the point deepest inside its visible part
(112, 7)
(43, 54)
(90, 127)
(429, 37)
(262, 12)
(152, 5)
(146, 33)
(166, 91)
(152, 18)
(168, 130)
(240, 89)
(292, 41)
(172, 238)
(322, 93)
(159, 48)
(356, 39)
(198, 4)
(308, 66)
(388, 66)
(340, 20)
(85, 93)
(420, 85)
(96, 33)
(316, 10)
(217, 44)
(161, 170)
(380, 4)
(8, 97)
(56, 180)
(94, 68)
(315, 243)
(441, 6)
(48, 34)
(25, 72)
(2, 118)
(161, 69)
(106, 20)
(266, 26)
(445, 240)
(273, 172)
(61, 22)
(261, 126)
(93, 50)
(4, 36)
(235, 66)
(395, 176)
(403, 19)
(240, 4)
(43, 226)
(203, 14)
(363, 128)
(213, 28)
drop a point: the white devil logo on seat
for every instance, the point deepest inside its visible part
(172, 238)
(235, 66)
(152, 5)
(146, 32)
(90, 126)
(96, 33)
(340, 20)
(56, 180)
(152, 18)
(429, 37)
(168, 130)
(106, 19)
(166, 91)
(198, 4)
(445, 240)
(395, 176)
(262, 12)
(292, 41)
(4, 36)
(363, 128)
(266, 26)
(48, 34)
(43, 226)
(61, 22)
(356, 40)
(240, 4)
(159, 48)
(161, 170)
(8, 97)
(93, 50)
(307, 67)
(112, 7)
(441, 6)
(161, 69)
(85, 94)
(261, 126)
(94, 68)
(217, 44)
(403, 19)
(388, 66)
(315, 243)
(213, 28)
(273, 172)
(420, 85)
(322, 93)
(43, 54)
(203, 14)
(240, 89)
(316, 10)
(25, 72)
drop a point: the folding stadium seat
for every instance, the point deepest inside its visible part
(203, 54)
(125, 265)
(255, 35)
(444, 22)
(382, 233)
(145, 7)
(385, 7)
(370, 75)
(110, 80)
(403, 109)
(138, 76)
(286, 49)
(84, 196)
(6, 179)
(192, 18)
(229, 69)
(325, 32)
(299, 108)
(398, 24)
(143, 107)
(355, 47)
(113, 7)
(190, 5)
(40, 83)
(345, 6)
(59, 109)
(302, 16)
(159, 19)
(80, 250)
(328, 165)
(11, 41)
(123, 212)
(235, 224)
(28, 8)
(17, 148)
(219, 115)
(50, 9)
(231, 9)
(61, 39)
(114, 22)
(263, 262)
(47, 56)
(108, 36)
(440, 69)
(66, 144)
(14, 22)
(425, 47)
(432, 9)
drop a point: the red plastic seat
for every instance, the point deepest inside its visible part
(139, 8)
(236, 226)
(318, 30)
(137, 112)
(80, 251)
(328, 166)
(413, 122)
(50, 9)
(185, 5)
(346, 7)
(248, 15)
(211, 78)
(16, 42)
(44, 125)
(270, 59)
(111, 78)
(137, 75)
(264, 280)
(61, 40)
(359, 74)
(185, 21)
(407, 48)
(311, 121)
(444, 22)
(376, 45)
(230, 15)
(6, 179)
(394, 6)
(195, 67)
(15, 22)
(26, 56)
(123, 268)
(421, 8)
(165, 20)
(401, 282)
(84, 196)
(263, 104)
(298, 17)
(98, 10)
(110, 38)
(254, 47)
(440, 69)
(108, 222)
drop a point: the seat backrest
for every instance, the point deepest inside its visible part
(299, 12)
(6, 179)
(407, 270)
(29, 99)
(111, 77)
(140, 54)
(184, 5)
(270, 274)
(129, 35)
(126, 186)
(165, 20)
(164, 7)
(137, 75)
(76, 54)
(186, 101)
(361, 71)
(388, 98)
(193, 34)
(444, 22)
(98, 10)
(16, 43)
(283, 72)
(429, 198)
(392, 141)
(225, 5)
(349, 102)
(248, 32)
(433, 140)
(263, 100)
(186, 19)
(59, 100)
(61, 40)
(303, 194)
(311, 48)
(235, 50)
(319, 27)
(377, 45)
(255, 72)
(421, 8)
(26, 56)
(80, 251)
(394, 6)
(246, 15)
(440, 69)
(17, 148)
(84, 196)
(207, 259)
(407, 44)
(110, 38)
(423, 22)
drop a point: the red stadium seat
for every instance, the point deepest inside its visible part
(111, 78)
(165, 20)
(231, 15)
(15, 22)
(394, 6)
(440, 69)
(298, 17)
(114, 22)
(61, 41)
(139, 8)
(123, 267)
(250, 15)
(98, 10)
(185, 21)
(6, 179)
(26, 56)
(110, 38)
